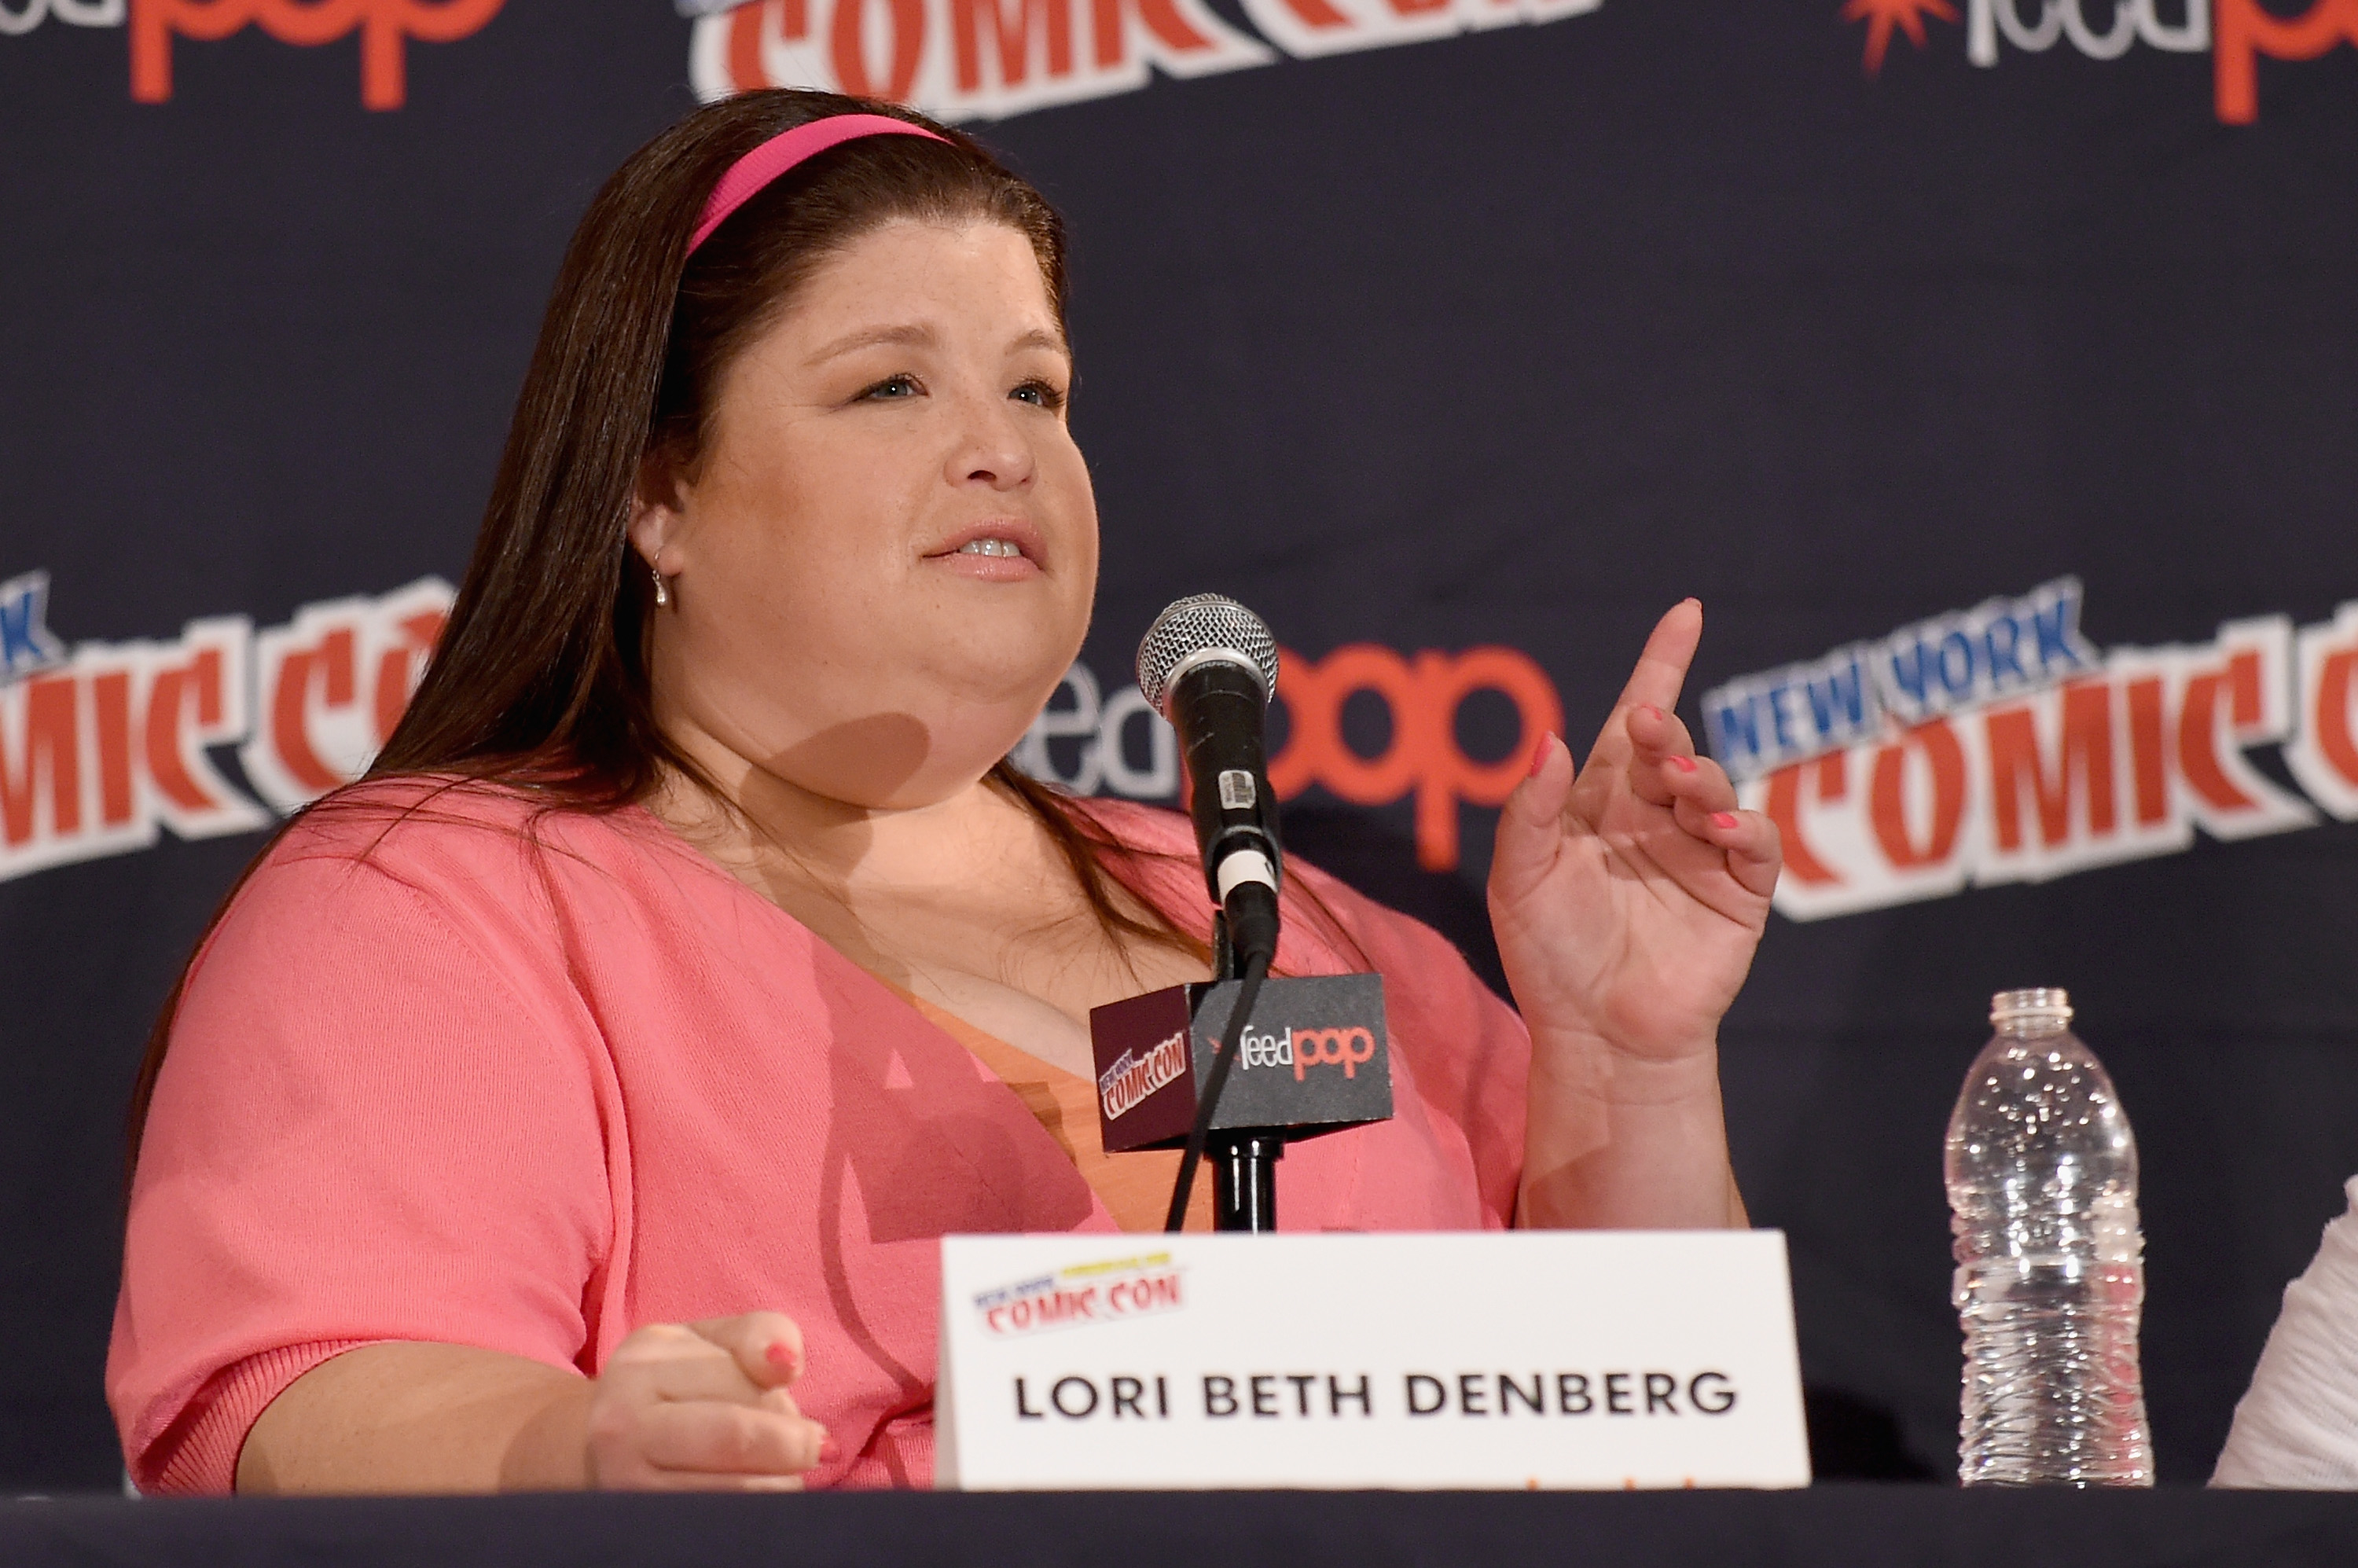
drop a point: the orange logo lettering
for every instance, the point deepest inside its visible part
(2121, 764)
(2245, 30)
(1343, 1048)
(384, 26)
(1424, 696)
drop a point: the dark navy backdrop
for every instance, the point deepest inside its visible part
(1510, 339)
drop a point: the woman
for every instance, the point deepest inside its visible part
(2295, 1428)
(543, 1110)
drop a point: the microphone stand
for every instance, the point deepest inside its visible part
(1243, 1160)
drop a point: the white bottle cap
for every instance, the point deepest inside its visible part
(2046, 1002)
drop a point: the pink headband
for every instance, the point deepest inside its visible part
(749, 174)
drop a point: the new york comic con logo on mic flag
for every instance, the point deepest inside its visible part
(1997, 745)
(2236, 34)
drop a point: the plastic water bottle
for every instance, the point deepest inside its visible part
(2042, 1175)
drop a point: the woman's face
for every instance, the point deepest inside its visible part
(884, 560)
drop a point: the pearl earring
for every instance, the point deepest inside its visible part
(663, 588)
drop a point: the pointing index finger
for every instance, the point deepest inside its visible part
(1662, 669)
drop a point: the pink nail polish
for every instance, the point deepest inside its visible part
(1684, 764)
(1540, 752)
(781, 1356)
(827, 1451)
(1723, 818)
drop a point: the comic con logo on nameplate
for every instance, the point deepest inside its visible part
(1082, 1294)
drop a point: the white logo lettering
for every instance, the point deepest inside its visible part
(102, 744)
(74, 12)
(966, 59)
(1097, 735)
(1132, 1077)
(2129, 760)
(2132, 20)
(1258, 1049)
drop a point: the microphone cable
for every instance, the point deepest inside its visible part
(1256, 970)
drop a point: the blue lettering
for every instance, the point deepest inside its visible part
(1781, 721)
(25, 641)
(2005, 652)
(2057, 628)
(1735, 729)
(1906, 662)
(1838, 700)
(17, 644)
(1937, 665)
(1960, 684)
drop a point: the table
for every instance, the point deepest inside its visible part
(1835, 1525)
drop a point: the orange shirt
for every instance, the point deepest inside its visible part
(1135, 1188)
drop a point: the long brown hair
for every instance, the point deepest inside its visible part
(540, 680)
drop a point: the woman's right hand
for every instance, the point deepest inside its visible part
(703, 1407)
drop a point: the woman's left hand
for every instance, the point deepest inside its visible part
(1627, 901)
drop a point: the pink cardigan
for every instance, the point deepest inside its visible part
(529, 1082)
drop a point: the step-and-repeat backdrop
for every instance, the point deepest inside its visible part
(1987, 367)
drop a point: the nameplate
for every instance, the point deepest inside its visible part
(1516, 1359)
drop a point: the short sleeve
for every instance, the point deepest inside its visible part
(379, 1119)
(1470, 1052)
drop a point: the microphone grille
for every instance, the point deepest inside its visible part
(1198, 624)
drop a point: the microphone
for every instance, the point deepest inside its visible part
(1209, 665)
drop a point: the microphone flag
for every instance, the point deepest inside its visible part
(1314, 1058)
